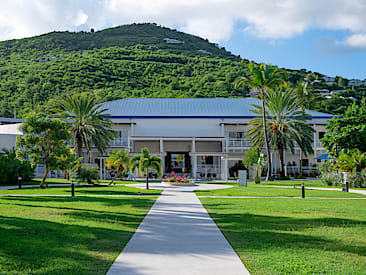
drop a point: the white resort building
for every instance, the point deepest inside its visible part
(203, 137)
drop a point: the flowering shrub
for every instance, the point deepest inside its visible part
(175, 178)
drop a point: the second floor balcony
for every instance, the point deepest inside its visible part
(117, 142)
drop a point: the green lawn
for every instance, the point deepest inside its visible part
(57, 235)
(84, 190)
(285, 236)
(253, 190)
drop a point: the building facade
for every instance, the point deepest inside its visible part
(203, 137)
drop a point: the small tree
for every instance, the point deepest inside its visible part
(69, 163)
(44, 142)
(120, 161)
(144, 162)
(348, 132)
(255, 160)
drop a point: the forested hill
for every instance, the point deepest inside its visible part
(59, 43)
(126, 61)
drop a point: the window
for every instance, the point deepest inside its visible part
(236, 135)
(207, 159)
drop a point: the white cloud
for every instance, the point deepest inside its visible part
(212, 19)
(357, 41)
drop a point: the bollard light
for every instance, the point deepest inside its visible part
(303, 190)
(20, 182)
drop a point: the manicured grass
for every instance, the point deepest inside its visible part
(285, 236)
(254, 191)
(84, 190)
(57, 235)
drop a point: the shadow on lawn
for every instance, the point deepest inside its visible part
(30, 246)
(258, 232)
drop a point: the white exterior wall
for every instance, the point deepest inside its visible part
(7, 141)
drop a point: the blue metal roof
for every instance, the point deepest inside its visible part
(11, 120)
(187, 108)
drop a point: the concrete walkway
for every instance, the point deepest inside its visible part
(178, 237)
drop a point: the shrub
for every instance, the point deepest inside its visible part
(329, 174)
(11, 168)
(88, 175)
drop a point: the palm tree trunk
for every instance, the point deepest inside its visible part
(147, 178)
(114, 178)
(282, 167)
(79, 147)
(300, 163)
(44, 177)
(269, 162)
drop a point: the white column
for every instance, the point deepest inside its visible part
(315, 137)
(161, 145)
(103, 162)
(193, 145)
(225, 170)
(100, 167)
(194, 168)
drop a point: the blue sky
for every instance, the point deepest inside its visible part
(327, 36)
(311, 50)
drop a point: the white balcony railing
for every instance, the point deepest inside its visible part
(119, 142)
(237, 143)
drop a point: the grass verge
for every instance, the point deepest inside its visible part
(254, 191)
(287, 236)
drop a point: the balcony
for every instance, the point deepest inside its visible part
(119, 142)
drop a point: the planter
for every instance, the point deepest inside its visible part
(175, 183)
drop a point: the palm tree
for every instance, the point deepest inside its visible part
(144, 162)
(264, 78)
(120, 160)
(69, 163)
(286, 124)
(87, 122)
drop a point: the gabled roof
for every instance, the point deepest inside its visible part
(10, 120)
(187, 108)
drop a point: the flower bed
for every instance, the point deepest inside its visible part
(175, 180)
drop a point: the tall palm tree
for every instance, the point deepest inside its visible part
(144, 162)
(286, 124)
(119, 160)
(87, 122)
(264, 78)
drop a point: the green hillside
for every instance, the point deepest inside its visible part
(126, 61)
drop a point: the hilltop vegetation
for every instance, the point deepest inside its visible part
(127, 61)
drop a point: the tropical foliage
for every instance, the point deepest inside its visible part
(348, 132)
(353, 162)
(329, 174)
(119, 161)
(11, 168)
(144, 163)
(264, 78)
(286, 125)
(44, 142)
(87, 122)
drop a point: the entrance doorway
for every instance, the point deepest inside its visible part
(178, 162)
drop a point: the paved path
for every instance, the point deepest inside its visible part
(178, 237)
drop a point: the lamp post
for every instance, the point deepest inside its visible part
(303, 190)
(20, 182)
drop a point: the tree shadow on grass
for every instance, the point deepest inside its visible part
(258, 232)
(29, 246)
(109, 201)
